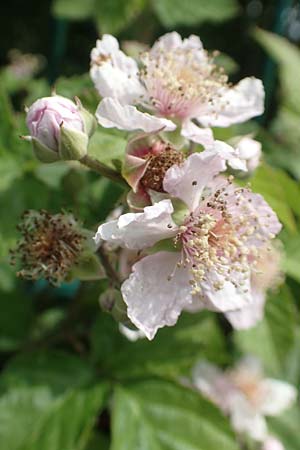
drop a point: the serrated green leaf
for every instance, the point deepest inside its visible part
(159, 415)
(58, 370)
(192, 12)
(48, 423)
(172, 353)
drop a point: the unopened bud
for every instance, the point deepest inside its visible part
(59, 129)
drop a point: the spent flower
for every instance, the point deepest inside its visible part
(50, 246)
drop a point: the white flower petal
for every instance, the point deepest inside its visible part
(203, 136)
(140, 230)
(245, 419)
(272, 443)
(228, 297)
(229, 154)
(278, 396)
(247, 317)
(237, 104)
(212, 383)
(249, 150)
(188, 180)
(113, 73)
(131, 335)
(112, 114)
(167, 42)
(153, 296)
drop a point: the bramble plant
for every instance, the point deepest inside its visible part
(171, 239)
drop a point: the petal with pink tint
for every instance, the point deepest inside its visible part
(155, 293)
(140, 230)
(245, 418)
(203, 136)
(230, 295)
(112, 114)
(188, 180)
(113, 73)
(250, 315)
(277, 395)
(236, 104)
(272, 443)
(212, 383)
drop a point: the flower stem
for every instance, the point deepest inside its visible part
(108, 267)
(100, 168)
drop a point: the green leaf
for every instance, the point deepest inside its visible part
(159, 415)
(73, 9)
(114, 16)
(291, 261)
(52, 174)
(286, 428)
(107, 147)
(287, 56)
(172, 353)
(279, 191)
(58, 370)
(192, 12)
(47, 423)
(16, 314)
(273, 338)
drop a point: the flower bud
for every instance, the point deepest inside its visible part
(59, 129)
(249, 151)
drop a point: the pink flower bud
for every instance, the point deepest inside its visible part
(46, 115)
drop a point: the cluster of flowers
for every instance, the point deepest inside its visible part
(190, 238)
(193, 239)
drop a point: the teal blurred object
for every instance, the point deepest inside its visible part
(66, 290)
(60, 34)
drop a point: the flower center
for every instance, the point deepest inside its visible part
(49, 247)
(216, 239)
(181, 82)
(158, 166)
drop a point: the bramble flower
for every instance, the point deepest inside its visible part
(211, 232)
(245, 395)
(177, 83)
(148, 158)
(49, 247)
(59, 128)
(266, 275)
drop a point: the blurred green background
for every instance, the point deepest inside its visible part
(69, 380)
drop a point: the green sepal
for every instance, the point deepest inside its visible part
(73, 144)
(90, 123)
(87, 268)
(111, 301)
(43, 153)
(181, 211)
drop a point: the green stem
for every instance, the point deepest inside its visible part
(108, 267)
(100, 168)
